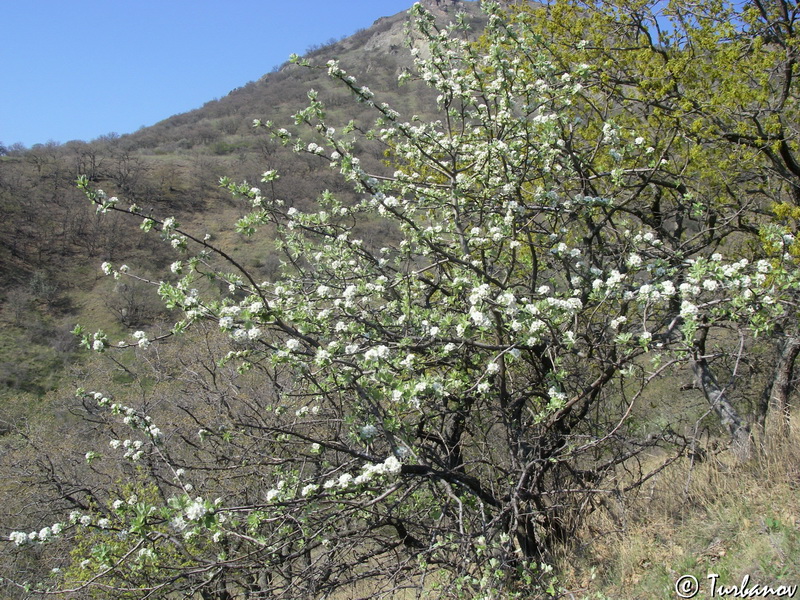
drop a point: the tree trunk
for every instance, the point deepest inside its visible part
(729, 417)
(777, 392)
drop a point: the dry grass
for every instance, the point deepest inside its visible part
(716, 516)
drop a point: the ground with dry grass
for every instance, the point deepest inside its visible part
(716, 516)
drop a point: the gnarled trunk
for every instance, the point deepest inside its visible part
(729, 417)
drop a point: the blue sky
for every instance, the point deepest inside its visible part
(78, 69)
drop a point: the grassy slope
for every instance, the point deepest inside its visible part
(698, 519)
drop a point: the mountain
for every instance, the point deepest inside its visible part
(377, 55)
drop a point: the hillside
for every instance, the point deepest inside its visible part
(377, 54)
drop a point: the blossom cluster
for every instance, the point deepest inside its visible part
(133, 449)
(45, 534)
(389, 467)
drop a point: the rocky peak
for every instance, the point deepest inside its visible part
(441, 5)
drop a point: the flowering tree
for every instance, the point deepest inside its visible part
(436, 412)
(713, 89)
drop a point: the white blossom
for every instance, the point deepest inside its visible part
(378, 352)
(20, 538)
(196, 510)
(634, 261)
(617, 321)
(368, 432)
(688, 309)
